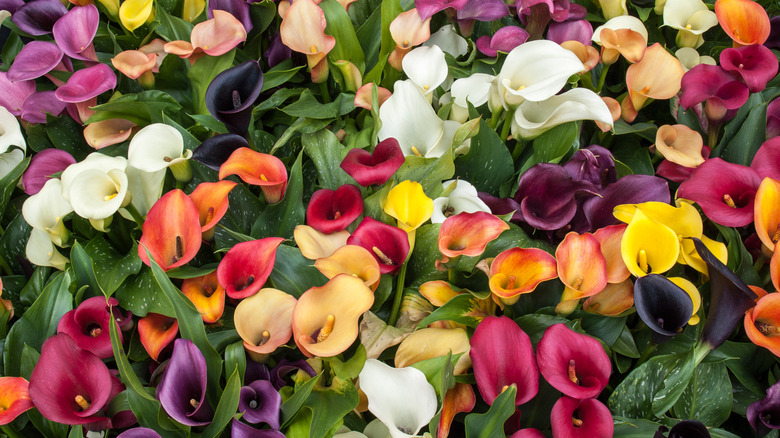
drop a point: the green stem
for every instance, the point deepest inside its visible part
(509, 311)
(495, 117)
(10, 432)
(701, 351)
(135, 214)
(586, 80)
(602, 78)
(712, 139)
(399, 294)
(519, 148)
(760, 262)
(510, 114)
(324, 91)
(646, 354)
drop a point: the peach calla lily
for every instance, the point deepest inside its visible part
(14, 398)
(469, 233)
(108, 132)
(264, 320)
(609, 238)
(613, 300)
(258, 169)
(459, 398)
(353, 260)
(207, 295)
(624, 35)
(408, 29)
(429, 343)
(171, 232)
(218, 35)
(211, 200)
(134, 63)
(762, 323)
(325, 319)
(581, 267)
(657, 76)
(315, 245)
(519, 270)
(648, 246)
(303, 30)
(679, 144)
(438, 292)
(156, 332)
(745, 21)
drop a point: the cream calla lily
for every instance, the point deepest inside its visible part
(409, 118)
(157, 147)
(449, 41)
(475, 89)
(10, 131)
(46, 210)
(96, 194)
(42, 252)
(9, 160)
(690, 58)
(691, 18)
(462, 198)
(533, 118)
(425, 66)
(95, 160)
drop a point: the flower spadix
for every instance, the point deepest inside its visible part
(325, 319)
(519, 270)
(648, 246)
(247, 265)
(171, 232)
(258, 169)
(264, 320)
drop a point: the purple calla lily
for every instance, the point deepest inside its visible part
(182, 390)
(285, 367)
(139, 432)
(504, 40)
(662, 305)
(88, 325)
(593, 164)
(38, 17)
(426, 8)
(773, 42)
(576, 30)
(11, 5)
(276, 51)
(243, 430)
(35, 60)
(75, 31)
(14, 93)
(38, 104)
(260, 403)
(44, 164)
(483, 10)
(237, 8)
(764, 415)
(87, 83)
(230, 96)
(631, 189)
(685, 429)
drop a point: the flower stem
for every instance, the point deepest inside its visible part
(10, 432)
(507, 124)
(602, 77)
(324, 91)
(135, 214)
(495, 117)
(399, 294)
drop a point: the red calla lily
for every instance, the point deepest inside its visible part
(374, 168)
(572, 418)
(245, 267)
(333, 210)
(388, 244)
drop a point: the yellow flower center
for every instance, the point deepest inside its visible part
(82, 402)
(327, 328)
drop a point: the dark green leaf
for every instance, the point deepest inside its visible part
(8, 183)
(228, 405)
(464, 309)
(552, 145)
(292, 405)
(488, 163)
(294, 273)
(491, 423)
(308, 106)
(171, 27)
(235, 358)
(340, 27)
(327, 154)
(278, 75)
(708, 396)
(351, 368)
(139, 295)
(140, 108)
(439, 372)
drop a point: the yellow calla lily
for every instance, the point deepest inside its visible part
(429, 343)
(691, 290)
(408, 203)
(691, 258)
(192, 8)
(648, 246)
(134, 13)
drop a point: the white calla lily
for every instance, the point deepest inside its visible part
(410, 119)
(621, 22)
(462, 198)
(401, 398)
(145, 189)
(41, 251)
(96, 194)
(425, 66)
(96, 161)
(46, 211)
(535, 71)
(533, 118)
(691, 18)
(449, 41)
(690, 58)
(474, 89)
(10, 131)
(157, 147)
(9, 160)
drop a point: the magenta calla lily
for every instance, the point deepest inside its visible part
(333, 210)
(35, 60)
(572, 418)
(426, 8)
(89, 324)
(369, 168)
(755, 65)
(766, 162)
(75, 31)
(717, 88)
(388, 244)
(38, 17)
(182, 390)
(44, 164)
(504, 40)
(87, 83)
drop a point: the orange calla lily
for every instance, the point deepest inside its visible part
(588, 55)
(171, 232)
(353, 260)
(264, 320)
(218, 35)
(745, 21)
(211, 200)
(519, 270)
(303, 30)
(657, 76)
(428, 343)
(626, 42)
(459, 398)
(14, 398)
(609, 238)
(325, 319)
(469, 233)
(613, 300)
(258, 169)
(438, 292)
(207, 296)
(156, 331)
(581, 267)
(767, 212)
(762, 323)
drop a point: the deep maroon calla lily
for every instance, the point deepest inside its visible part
(87, 83)
(69, 385)
(231, 95)
(243, 430)
(237, 8)
(631, 189)
(724, 191)
(38, 17)
(504, 40)
(593, 164)
(34, 60)
(247, 265)
(214, 151)
(766, 162)
(44, 164)
(182, 390)
(75, 31)
(711, 84)
(388, 244)
(88, 325)
(14, 93)
(333, 210)
(662, 305)
(573, 363)
(502, 355)
(572, 418)
(557, 10)
(426, 8)
(40, 103)
(764, 415)
(260, 403)
(730, 298)
(502, 206)
(773, 42)
(374, 168)
(677, 173)
(755, 65)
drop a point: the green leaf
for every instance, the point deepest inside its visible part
(464, 309)
(553, 144)
(280, 219)
(325, 151)
(634, 428)
(340, 27)
(278, 75)
(351, 368)
(308, 106)
(637, 159)
(139, 295)
(292, 405)
(171, 27)
(294, 273)
(625, 344)
(329, 405)
(203, 72)
(210, 122)
(141, 108)
(67, 135)
(235, 358)
(644, 130)
(535, 324)
(8, 183)
(113, 267)
(29, 358)
(83, 268)
(491, 423)
(439, 372)
(228, 405)
(487, 152)
(746, 370)
(429, 172)
(422, 264)
(739, 259)
(745, 133)
(187, 271)
(708, 396)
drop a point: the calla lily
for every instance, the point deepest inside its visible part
(12, 132)
(97, 195)
(264, 320)
(247, 265)
(745, 21)
(408, 203)
(426, 68)
(353, 260)
(610, 239)
(260, 403)
(408, 29)
(218, 35)
(232, 94)
(766, 162)
(34, 60)
(39, 104)
(74, 32)
(156, 332)
(679, 144)
(502, 355)
(469, 233)
(258, 169)
(191, 9)
(763, 414)
(315, 245)
(519, 270)
(46, 211)
(88, 325)
(38, 17)
(504, 40)
(692, 292)
(303, 30)
(243, 430)
(656, 76)
(426, 8)
(459, 398)
(675, 172)
(325, 319)
(159, 146)
(390, 245)
(581, 418)
(474, 89)
(214, 151)
(691, 258)
(237, 8)
(755, 64)
(134, 63)
(613, 300)
(580, 31)
(376, 167)
(462, 198)
(648, 246)
(363, 97)
(428, 343)
(41, 251)
(767, 212)
(182, 390)
(721, 93)
(683, 220)
(573, 363)
(171, 242)
(207, 295)
(691, 18)
(582, 269)
(401, 398)
(690, 58)
(44, 164)
(87, 84)
(534, 118)
(14, 94)
(15, 398)
(334, 210)
(108, 132)
(622, 35)
(438, 292)
(448, 41)
(139, 432)
(211, 200)
(134, 13)
(589, 57)
(773, 119)
(663, 306)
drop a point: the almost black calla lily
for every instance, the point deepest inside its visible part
(764, 415)
(182, 390)
(684, 429)
(662, 305)
(730, 298)
(217, 149)
(230, 96)
(260, 403)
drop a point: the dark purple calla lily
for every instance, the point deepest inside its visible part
(38, 17)
(730, 298)
(88, 325)
(243, 430)
(214, 151)
(502, 355)
(766, 162)
(11, 5)
(14, 93)
(260, 403)
(764, 415)
(333, 210)
(182, 390)
(573, 363)
(426, 8)
(34, 60)
(593, 164)
(40, 103)
(369, 168)
(773, 119)
(572, 418)
(721, 93)
(237, 8)
(504, 40)
(675, 172)
(75, 31)
(684, 429)
(44, 164)
(230, 96)
(285, 367)
(276, 51)
(87, 83)
(502, 206)
(576, 30)
(69, 385)
(662, 305)
(139, 432)
(631, 189)
(388, 244)
(773, 42)
(724, 191)
(755, 65)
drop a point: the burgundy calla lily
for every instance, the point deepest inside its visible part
(572, 418)
(260, 403)
(773, 119)
(38, 17)
(88, 325)
(502, 355)
(182, 390)
(44, 164)
(724, 191)
(40, 103)
(374, 168)
(34, 60)
(276, 51)
(75, 31)
(677, 173)
(504, 40)
(247, 265)
(87, 83)
(243, 430)
(764, 415)
(232, 93)
(388, 244)
(573, 363)
(721, 93)
(631, 189)
(214, 151)
(755, 65)
(662, 305)
(766, 162)
(333, 210)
